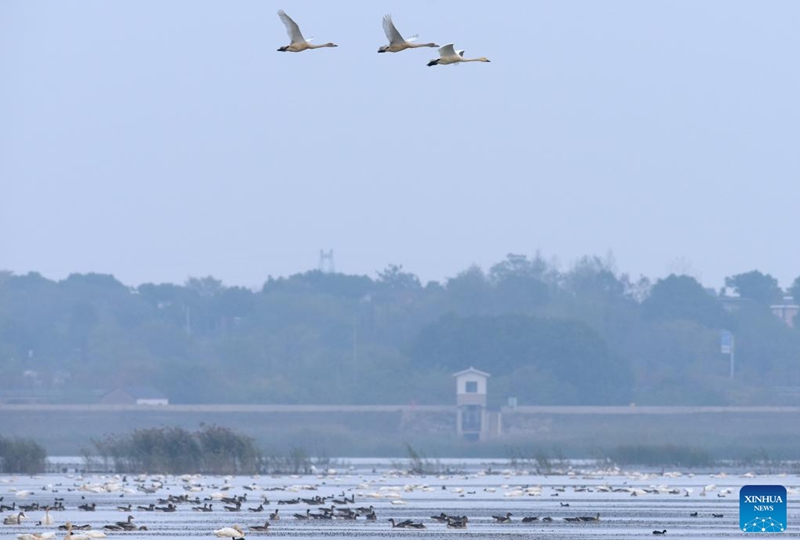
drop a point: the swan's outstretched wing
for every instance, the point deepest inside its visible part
(392, 34)
(461, 52)
(291, 28)
(447, 51)
(413, 38)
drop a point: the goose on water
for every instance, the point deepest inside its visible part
(457, 522)
(260, 528)
(397, 42)
(298, 42)
(126, 525)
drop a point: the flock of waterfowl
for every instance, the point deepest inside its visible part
(270, 507)
(235, 504)
(448, 55)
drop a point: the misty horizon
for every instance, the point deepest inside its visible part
(678, 268)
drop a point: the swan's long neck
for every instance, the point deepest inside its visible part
(474, 60)
(310, 46)
(416, 45)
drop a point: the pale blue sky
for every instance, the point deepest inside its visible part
(158, 140)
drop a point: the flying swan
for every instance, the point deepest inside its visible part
(448, 55)
(396, 41)
(298, 43)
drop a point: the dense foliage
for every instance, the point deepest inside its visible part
(211, 450)
(586, 335)
(19, 455)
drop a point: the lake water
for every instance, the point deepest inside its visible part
(630, 504)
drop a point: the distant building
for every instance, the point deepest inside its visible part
(786, 311)
(472, 420)
(134, 395)
(730, 299)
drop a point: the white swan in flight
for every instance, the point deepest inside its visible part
(448, 55)
(298, 42)
(396, 41)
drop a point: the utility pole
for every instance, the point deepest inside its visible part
(188, 325)
(355, 352)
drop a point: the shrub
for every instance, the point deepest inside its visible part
(21, 456)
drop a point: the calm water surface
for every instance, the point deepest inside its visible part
(630, 504)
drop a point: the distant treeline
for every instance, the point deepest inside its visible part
(587, 335)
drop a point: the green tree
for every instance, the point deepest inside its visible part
(317, 282)
(766, 349)
(316, 337)
(394, 278)
(758, 287)
(207, 286)
(519, 283)
(682, 297)
(592, 275)
(470, 292)
(567, 351)
(794, 290)
(516, 265)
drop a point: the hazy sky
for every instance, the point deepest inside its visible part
(158, 140)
